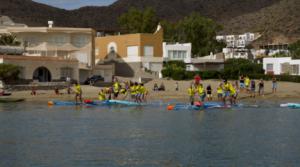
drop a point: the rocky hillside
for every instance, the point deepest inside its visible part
(271, 17)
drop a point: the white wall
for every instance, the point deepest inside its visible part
(277, 63)
(187, 47)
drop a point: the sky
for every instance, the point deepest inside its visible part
(74, 4)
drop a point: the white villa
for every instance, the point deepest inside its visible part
(281, 65)
(52, 53)
(237, 45)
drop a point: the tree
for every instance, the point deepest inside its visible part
(137, 21)
(9, 40)
(235, 67)
(9, 72)
(295, 49)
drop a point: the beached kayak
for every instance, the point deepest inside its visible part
(291, 105)
(10, 100)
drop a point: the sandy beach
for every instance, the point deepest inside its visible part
(286, 91)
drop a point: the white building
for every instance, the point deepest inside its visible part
(52, 53)
(177, 51)
(281, 65)
(236, 45)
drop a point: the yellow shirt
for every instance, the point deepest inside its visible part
(77, 89)
(226, 86)
(200, 90)
(191, 91)
(232, 90)
(133, 90)
(219, 90)
(142, 90)
(102, 96)
(116, 87)
(247, 81)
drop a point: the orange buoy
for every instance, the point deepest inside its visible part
(170, 107)
(50, 103)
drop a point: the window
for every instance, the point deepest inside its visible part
(295, 69)
(66, 72)
(170, 54)
(184, 54)
(80, 40)
(58, 40)
(132, 51)
(175, 54)
(148, 51)
(285, 68)
(269, 67)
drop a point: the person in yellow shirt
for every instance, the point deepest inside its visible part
(247, 83)
(220, 92)
(102, 95)
(78, 92)
(201, 92)
(133, 91)
(191, 93)
(233, 94)
(116, 89)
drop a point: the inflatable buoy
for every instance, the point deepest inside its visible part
(198, 103)
(170, 107)
(50, 103)
(88, 101)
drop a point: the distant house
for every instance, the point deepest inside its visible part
(177, 51)
(236, 45)
(272, 49)
(54, 53)
(131, 53)
(213, 62)
(281, 65)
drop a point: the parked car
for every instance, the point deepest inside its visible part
(91, 80)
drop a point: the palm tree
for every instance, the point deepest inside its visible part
(9, 40)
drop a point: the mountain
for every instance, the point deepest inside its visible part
(236, 15)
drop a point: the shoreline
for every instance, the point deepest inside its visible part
(286, 91)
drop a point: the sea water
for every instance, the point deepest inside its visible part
(35, 135)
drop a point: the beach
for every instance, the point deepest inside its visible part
(285, 91)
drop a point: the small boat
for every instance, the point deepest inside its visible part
(10, 100)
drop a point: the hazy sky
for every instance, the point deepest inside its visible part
(74, 4)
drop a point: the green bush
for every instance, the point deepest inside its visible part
(9, 72)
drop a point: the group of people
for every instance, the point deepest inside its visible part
(135, 91)
(225, 91)
(229, 91)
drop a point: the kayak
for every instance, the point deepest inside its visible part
(95, 103)
(122, 102)
(10, 100)
(291, 105)
(206, 105)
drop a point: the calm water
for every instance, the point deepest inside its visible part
(37, 136)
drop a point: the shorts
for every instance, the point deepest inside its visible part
(220, 95)
(242, 85)
(116, 94)
(202, 96)
(252, 89)
(234, 95)
(274, 85)
(226, 94)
